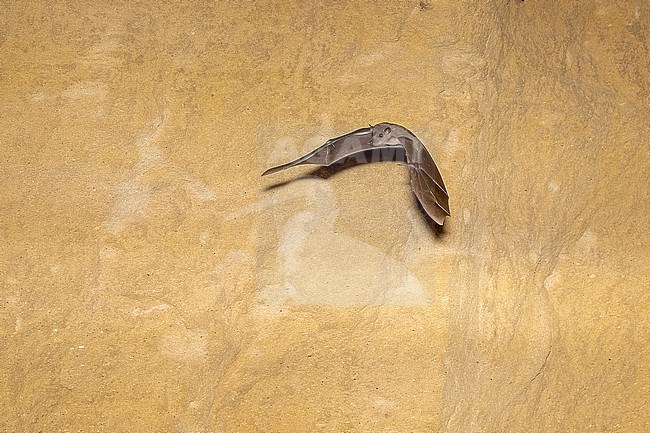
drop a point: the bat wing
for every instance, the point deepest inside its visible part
(333, 150)
(426, 180)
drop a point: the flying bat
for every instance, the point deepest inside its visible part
(426, 181)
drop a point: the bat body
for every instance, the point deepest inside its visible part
(426, 181)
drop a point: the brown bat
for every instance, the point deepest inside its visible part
(426, 181)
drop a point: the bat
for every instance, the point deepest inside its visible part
(426, 181)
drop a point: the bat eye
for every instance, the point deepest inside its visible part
(387, 131)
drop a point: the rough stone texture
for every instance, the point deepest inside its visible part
(152, 281)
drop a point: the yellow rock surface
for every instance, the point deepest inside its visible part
(152, 281)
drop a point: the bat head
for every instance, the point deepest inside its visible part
(385, 134)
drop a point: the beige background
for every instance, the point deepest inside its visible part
(152, 281)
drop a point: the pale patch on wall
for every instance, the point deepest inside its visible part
(351, 272)
(588, 242)
(134, 195)
(140, 312)
(106, 53)
(88, 89)
(552, 280)
(184, 345)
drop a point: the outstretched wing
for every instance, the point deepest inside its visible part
(426, 180)
(333, 150)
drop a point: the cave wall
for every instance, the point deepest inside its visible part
(153, 281)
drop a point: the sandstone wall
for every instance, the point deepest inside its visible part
(152, 281)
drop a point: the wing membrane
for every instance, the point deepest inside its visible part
(333, 150)
(426, 181)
